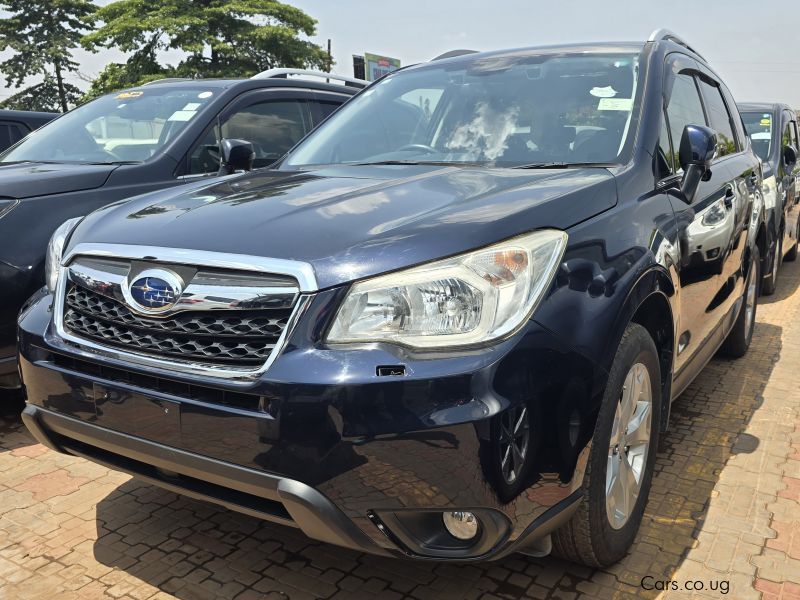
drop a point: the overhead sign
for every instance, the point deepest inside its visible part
(378, 66)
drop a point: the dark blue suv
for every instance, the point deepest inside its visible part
(167, 133)
(449, 324)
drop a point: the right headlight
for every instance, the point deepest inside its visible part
(469, 299)
(55, 249)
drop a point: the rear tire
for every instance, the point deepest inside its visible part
(606, 522)
(792, 254)
(739, 338)
(769, 284)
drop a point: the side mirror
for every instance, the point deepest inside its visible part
(237, 156)
(697, 150)
(789, 156)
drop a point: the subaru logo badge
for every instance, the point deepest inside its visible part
(153, 290)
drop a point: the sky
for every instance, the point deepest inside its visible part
(751, 45)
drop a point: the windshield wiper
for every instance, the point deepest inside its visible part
(563, 165)
(435, 163)
(115, 162)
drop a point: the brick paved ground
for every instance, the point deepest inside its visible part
(724, 511)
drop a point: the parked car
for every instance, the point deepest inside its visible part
(447, 325)
(773, 131)
(164, 134)
(16, 124)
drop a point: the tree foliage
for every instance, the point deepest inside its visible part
(140, 68)
(41, 35)
(221, 38)
(44, 96)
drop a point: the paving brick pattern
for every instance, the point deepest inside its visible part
(724, 514)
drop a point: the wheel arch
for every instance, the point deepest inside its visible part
(650, 304)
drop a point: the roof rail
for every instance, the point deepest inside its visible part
(284, 74)
(167, 80)
(454, 53)
(666, 35)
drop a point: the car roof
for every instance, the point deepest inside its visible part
(245, 84)
(26, 115)
(762, 106)
(589, 47)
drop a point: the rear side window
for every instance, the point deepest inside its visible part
(10, 134)
(719, 117)
(789, 134)
(684, 108)
(324, 109)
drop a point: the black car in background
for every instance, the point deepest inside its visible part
(772, 128)
(127, 143)
(449, 324)
(16, 124)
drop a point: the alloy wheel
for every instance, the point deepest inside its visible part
(514, 441)
(629, 445)
(750, 300)
(776, 261)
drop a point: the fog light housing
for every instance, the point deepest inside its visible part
(462, 525)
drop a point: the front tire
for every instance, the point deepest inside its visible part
(739, 338)
(620, 467)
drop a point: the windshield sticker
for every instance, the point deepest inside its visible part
(766, 121)
(603, 92)
(205, 94)
(615, 104)
(125, 95)
(191, 106)
(182, 115)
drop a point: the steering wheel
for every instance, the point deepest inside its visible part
(423, 147)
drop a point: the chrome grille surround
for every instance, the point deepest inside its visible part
(102, 269)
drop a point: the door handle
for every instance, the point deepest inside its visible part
(729, 196)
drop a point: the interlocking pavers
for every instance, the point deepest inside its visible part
(724, 508)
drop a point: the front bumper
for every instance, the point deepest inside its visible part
(358, 463)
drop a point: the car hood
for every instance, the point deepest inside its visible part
(27, 180)
(353, 222)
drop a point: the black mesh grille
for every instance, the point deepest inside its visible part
(227, 337)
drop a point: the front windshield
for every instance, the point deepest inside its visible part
(759, 127)
(126, 126)
(503, 111)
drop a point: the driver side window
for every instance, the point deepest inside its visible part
(272, 126)
(684, 108)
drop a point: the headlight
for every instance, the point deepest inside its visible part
(469, 299)
(6, 204)
(55, 248)
(715, 215)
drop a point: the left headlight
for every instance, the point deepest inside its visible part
(52, 264)
(466, 300)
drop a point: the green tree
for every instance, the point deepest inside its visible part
(41, 35)
(140, 68)
(221, 38)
